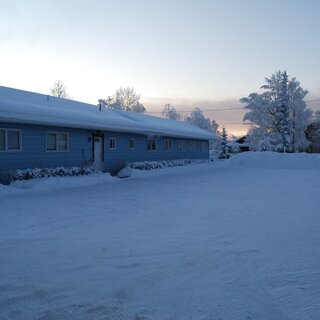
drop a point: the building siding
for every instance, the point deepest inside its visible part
(116, 158)
(35, 155)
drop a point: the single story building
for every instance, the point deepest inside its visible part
(42, 131)
(242, 143)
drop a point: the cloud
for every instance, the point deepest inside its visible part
(231, 119)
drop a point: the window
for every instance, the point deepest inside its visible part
(203, 146)
(112, 143)
(168, 145)
(2, 140)
(193, 146)
(62, 141)
(182, 145)
(132, 144)
(152, 145)
(57, 141)
(10, 140)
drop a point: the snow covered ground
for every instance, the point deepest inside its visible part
(237, 239)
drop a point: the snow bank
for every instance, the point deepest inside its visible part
(95, 179)
(160, 164)
(275, 160)
(55, 183)
(263, 160)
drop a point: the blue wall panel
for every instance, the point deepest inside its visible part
(35, 155)
(116, 158)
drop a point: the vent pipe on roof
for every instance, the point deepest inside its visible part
(101, 104)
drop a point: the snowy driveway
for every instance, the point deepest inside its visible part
(202, 242)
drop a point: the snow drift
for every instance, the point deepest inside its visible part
(275, 160)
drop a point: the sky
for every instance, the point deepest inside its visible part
(200, 53)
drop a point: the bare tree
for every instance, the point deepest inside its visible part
(198, 119)
(124, 99)
(170, 112)
(214, 126)
(59, 90)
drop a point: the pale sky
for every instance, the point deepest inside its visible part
(189, 53)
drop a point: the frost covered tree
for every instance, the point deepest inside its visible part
(170, 112)
(127, 99)
(279, 115)
(198, 119)
(300, 115)
(109, 103)
(314, 128)
(282, 114)
(224, 154)
(316, 116)
(59, 90)
(124, 99)
(214, 126)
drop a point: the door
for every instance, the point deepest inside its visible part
(97, 153)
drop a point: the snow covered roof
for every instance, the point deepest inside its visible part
(18, 106)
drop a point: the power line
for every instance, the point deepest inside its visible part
(243, 123)
(180, 111)
(220, 109)
(315, 100)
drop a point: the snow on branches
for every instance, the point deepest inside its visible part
(279, 115)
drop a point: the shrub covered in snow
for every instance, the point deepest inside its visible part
(39, 173)
(148, 165)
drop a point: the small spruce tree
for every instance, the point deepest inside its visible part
(224, 154)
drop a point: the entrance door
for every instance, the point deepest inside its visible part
(97, 152)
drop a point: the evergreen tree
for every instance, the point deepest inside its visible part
(224, 154)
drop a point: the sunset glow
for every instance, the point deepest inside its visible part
(169, 51)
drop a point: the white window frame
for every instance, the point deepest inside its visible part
(114, 142)
(56, 133)
(182, 145)
(134, 144)
(155, 144)
(6, 139)
(170, 143)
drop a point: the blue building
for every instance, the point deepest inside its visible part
(41, 131)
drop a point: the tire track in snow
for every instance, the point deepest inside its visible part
(297, 291)
(250, 299)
